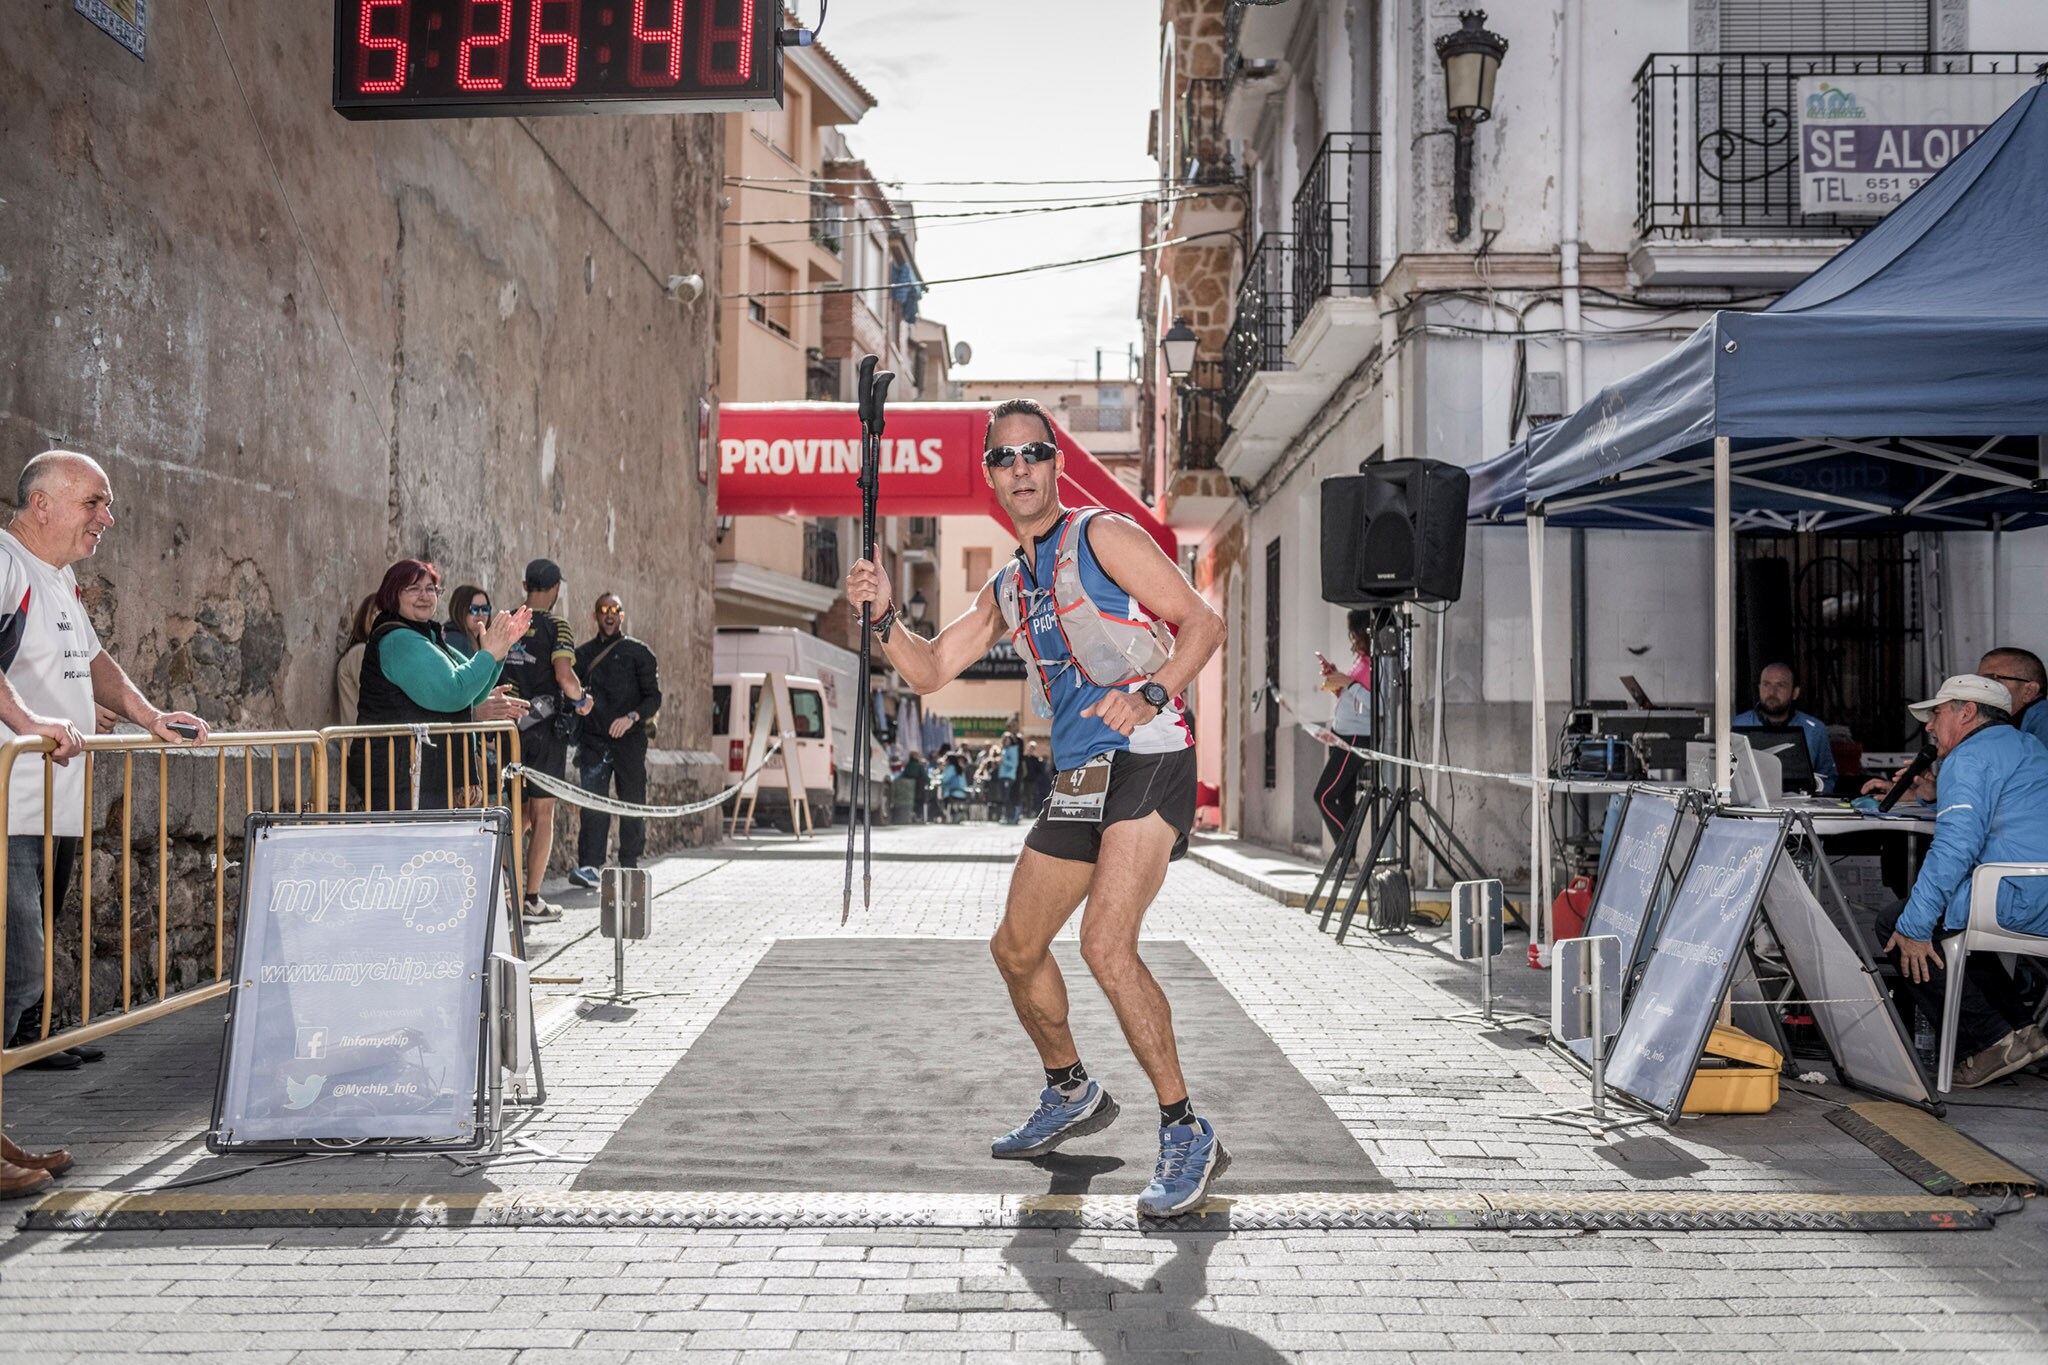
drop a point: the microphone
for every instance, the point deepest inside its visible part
(1920, 764)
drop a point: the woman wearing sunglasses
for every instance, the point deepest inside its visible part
(469, 611)
(1113, 633)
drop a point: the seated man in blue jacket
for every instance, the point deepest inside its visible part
(1776, 691)
(1991, 806)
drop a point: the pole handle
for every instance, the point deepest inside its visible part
(863, 388)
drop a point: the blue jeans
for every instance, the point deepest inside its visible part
(25, 919)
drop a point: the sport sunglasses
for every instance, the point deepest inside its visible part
(1033, 452)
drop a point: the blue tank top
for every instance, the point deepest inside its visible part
(1077, 738)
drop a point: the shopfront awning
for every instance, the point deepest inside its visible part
(801, 459)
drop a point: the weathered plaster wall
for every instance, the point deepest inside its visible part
(304, 346)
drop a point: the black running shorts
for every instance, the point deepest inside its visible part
(544, 751)
(1138, 785)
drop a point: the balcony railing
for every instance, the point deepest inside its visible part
(828, 219)
(1205, 157)
(1336, 216)
(1716, 147)
(920, 533)
(1103, 417)
(821, 554)
(1263, 321)
(1200, 404)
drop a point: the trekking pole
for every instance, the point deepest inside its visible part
(856, 802)
(878, 399)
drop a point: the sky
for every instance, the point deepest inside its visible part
(1003, 90)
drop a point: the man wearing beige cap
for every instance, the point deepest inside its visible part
(1991, 806)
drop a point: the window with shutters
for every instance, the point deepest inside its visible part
(768, 283)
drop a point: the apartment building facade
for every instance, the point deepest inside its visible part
(1632, 178)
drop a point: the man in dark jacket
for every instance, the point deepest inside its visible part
(620, 672)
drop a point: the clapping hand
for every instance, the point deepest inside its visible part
(505, 630)
(501, 704)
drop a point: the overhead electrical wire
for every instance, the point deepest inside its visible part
(1136, 196)
(940, 217)
(989, 275)
(872, 180)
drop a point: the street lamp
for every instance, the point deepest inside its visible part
(1471, 58)
(1179, 345)
(915, 608)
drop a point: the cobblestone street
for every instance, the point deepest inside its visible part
(1433, 1105)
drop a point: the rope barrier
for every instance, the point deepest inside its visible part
(1323, 734)
(577, 796)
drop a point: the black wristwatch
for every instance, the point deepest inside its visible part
(1155, 696)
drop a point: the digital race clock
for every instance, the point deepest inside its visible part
(471, 58)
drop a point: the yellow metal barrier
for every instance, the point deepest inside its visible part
(307, 776)
(468, 771)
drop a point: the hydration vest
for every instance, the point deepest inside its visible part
(1110, 651)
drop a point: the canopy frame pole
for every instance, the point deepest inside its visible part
(1539, 748)
(1724, 623)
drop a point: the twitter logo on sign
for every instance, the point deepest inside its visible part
(299, 1094)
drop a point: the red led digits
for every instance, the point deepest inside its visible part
(655, 56)
(561, 38)
(481, 60)
(370, 42)
(715, 35)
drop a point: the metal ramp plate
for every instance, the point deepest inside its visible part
(89, 1211)
(1934, 1156)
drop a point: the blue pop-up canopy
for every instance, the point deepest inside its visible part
(1902, 385)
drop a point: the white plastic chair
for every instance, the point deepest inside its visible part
(1982, 935)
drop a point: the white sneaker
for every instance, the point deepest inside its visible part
(538, 911)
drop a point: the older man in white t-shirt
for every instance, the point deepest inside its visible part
(52, 672)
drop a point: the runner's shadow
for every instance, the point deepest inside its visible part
(1118, 1318)
(1074, 1174)
(1124, 1321)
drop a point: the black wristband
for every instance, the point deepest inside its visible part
(886, 624)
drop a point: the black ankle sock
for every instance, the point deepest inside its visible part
(1068, 1080)
(1179, 1112)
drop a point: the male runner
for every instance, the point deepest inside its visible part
(1079, 601)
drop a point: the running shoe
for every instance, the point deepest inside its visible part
(585, 877)
(1190, 1159)
(1057, 1119)
(538, 911)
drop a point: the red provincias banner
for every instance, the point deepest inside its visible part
(802, 459)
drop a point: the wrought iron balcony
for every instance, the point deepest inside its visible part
(821, 554)
(1263, 320)
(1336, 220)
(1205, 157)
(1201, 425)
(828, 218)
(1716, 147)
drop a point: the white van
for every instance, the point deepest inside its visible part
(798, 653)
(735, 697)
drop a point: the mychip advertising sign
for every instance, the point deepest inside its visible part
(356, 1014)
(1867, 142)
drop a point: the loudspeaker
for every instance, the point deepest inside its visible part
(1395, 533)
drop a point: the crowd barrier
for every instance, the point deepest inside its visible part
(341, 768)
(373, 767)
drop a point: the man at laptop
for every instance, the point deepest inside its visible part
(1776, 692)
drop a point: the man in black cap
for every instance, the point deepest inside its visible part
(542, 668)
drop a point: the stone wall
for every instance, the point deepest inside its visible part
(304, 347)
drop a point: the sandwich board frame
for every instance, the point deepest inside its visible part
(1635, 942)
(440, 881)
(1649, 1052)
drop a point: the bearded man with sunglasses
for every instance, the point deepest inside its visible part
(1113, 633)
